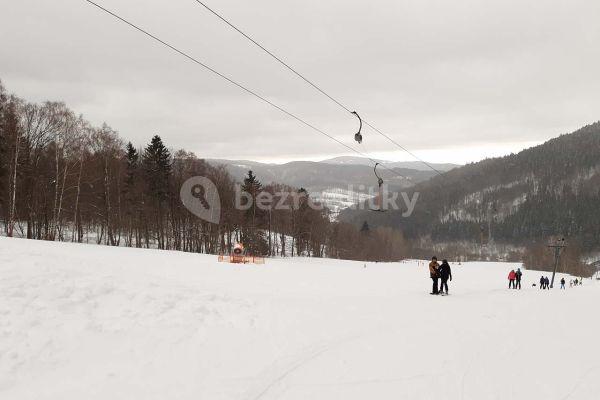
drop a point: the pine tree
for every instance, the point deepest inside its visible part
(253, 238)
(156, 163)
(131, 194)
(251, 185)
(132, 157)
(157, 168)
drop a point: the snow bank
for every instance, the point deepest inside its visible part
(95, 322)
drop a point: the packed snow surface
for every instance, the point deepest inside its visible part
(93, 322)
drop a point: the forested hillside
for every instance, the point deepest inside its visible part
(551, 189)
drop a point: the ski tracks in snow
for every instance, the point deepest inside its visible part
(272, 381)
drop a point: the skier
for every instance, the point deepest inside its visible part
(542, 282)
(576, 282)
(434, 274)
(562, 283)
(445, 274)
(547, 283)
(511, 279)
(518, 275)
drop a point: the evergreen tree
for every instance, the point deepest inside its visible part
(157, 168)
(132, 157)
(251, 185)
(131, 194)
(254, 238)
(156, 163)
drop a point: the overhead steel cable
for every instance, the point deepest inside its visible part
(235, 83)
(271, 54)
(403, 148)
(314, 85)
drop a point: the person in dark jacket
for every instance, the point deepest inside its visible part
(445, 274)
(547, 283)
(518, 276)
(542, 282)
(562, 283)
(434, 274)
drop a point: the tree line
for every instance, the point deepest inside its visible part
(63, 179)
(538, 256)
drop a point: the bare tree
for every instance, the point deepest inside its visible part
(107, 147)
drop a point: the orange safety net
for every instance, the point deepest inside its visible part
(241, 259)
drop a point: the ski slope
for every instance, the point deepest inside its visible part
(93, 322)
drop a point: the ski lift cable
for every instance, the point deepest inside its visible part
(235, 83)
(315, 86)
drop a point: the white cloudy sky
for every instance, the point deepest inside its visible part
(455, 81)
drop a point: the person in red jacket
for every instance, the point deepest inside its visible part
(512, 276)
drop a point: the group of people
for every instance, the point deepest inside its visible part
(440, 275)
(576, 282)
(514, 279)
(545, 282)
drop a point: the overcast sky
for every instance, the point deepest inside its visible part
(455, 81)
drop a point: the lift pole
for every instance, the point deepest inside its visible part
(558, 247)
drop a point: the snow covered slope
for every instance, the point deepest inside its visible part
(93, 322)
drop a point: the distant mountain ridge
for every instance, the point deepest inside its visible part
(319, 176)
(416, 165)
